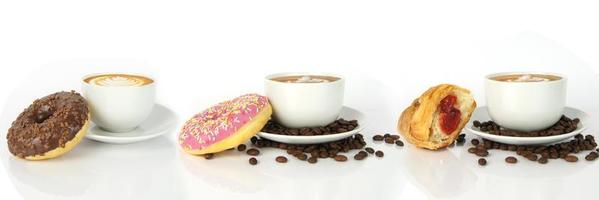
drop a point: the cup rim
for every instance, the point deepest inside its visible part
(269, 77)
(489, 77)
(125, 73)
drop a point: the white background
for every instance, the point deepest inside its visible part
(202, 52)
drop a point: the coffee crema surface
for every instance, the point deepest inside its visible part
(118, 80)
(526, 78)
(305, 79)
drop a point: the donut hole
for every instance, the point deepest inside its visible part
(42, 114)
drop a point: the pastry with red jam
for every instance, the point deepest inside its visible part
(436, 118)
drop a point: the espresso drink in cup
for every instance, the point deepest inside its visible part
(118, 80)
(526, 78)
(525, 101)
(304, 99)
(305, 79)
(119, 102)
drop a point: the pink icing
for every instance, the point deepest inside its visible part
(221, 121)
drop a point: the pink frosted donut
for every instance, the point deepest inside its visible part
(225, 125)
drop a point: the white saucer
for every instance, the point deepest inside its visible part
(346, 113)
(481, 115)
(162, 120)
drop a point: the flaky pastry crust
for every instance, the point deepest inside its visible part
(419, 122)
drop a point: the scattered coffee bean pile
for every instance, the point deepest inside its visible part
(539, 153)
(312, 152)
(338, 126)
(389, 139)
(563, 126)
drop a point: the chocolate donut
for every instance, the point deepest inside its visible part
(49, 127)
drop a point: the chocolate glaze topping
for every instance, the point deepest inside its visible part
(48, 123)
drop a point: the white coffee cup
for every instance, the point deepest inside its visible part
(119, 105)
(525, 106)
(298, 105)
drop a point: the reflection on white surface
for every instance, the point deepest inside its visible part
(101, 171)
(440, 173)
(230, 176)
(224, 172)
(37, 180)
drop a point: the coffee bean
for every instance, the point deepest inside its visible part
(532, 157)
(389, 140)
(302, 156)
(281, 159)
(481, 153)
(312, 160)
(359, 156)
(253, 152)
(253, 161)
(472, 150)
(482, 162)
(496, 145)
(241, 147)
(395, 137)
(379, 154)
(511, 159)
(323, 154)
(208, 156)
(481, 147)
(282, 146)
(543, 160)
(476, 123)
(387, 135)
(399, 143)
(591, 156)
(369, 150)
(525, 153)
(293, 152)
(378, 138)
(340, 158)
(571, 158)
(474, 142)
(488, 144)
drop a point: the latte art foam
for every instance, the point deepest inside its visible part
(305, 79)
(526, 78)
(118, 80)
